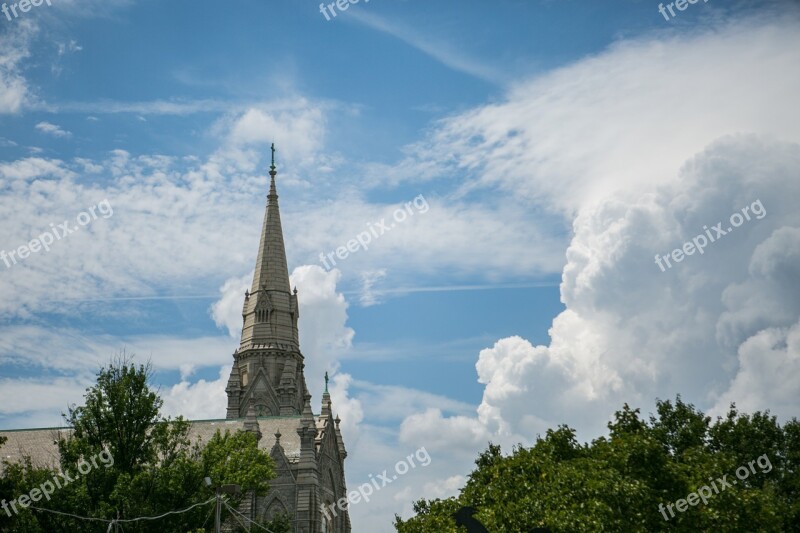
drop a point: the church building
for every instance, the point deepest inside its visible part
(267, 395)
(268, 390)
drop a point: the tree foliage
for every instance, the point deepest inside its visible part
(144, 464)
(616, 482)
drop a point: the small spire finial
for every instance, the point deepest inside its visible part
(272, 167)
(326, 382)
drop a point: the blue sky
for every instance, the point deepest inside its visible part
(557, 145)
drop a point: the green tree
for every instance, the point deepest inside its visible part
(142, 464)
(617, 482)
(121, 414)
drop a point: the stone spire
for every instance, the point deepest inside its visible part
(232, 390)
(251, 423)
(270, 309)
(326, 401)
(308, 480)
(277, 447)
(339, 439)
(271, 268)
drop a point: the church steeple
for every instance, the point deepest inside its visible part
(267, 374)
(267, 390)
(270, 309)
(271, 268)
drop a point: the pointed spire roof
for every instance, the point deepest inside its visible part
(251, 423)
(271, 310)
(271, 271)
(307, 418)
(326, 400)
(339, 439)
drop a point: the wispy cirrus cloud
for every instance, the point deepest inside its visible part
(443, 52)
(15, 92)
(176, 107)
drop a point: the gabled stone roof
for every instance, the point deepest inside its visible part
(41, 444)
(269, 425)
(38, 444)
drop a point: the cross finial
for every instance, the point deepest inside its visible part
(272, 167)
(326, 382)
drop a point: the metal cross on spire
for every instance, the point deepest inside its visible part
(272, 167)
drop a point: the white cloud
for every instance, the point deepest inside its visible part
(14, 49)
(458, 434)
(434, 489)
(348, 408)
(378, 446)
(69, 351)
(35, 167)
(52, 129)
(69, 47)
(655, 166)
(368, 281)
(625, 120)
(324, 335)
(152, 247)
(769, 296)
(218, 203)
(179, 107)
(201, 400)
(768, 375)
(392, 403)
(66, 361)
(227, 311)
(632, 333)
(462, 239)
(298, 127)
(440, 50)
(41, 396)
(88, 166)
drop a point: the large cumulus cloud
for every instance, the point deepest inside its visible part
(641, 147)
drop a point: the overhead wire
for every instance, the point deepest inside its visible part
(232, 510)
(116, 522)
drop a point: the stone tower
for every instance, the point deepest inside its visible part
(267, 389)
(267, 373)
